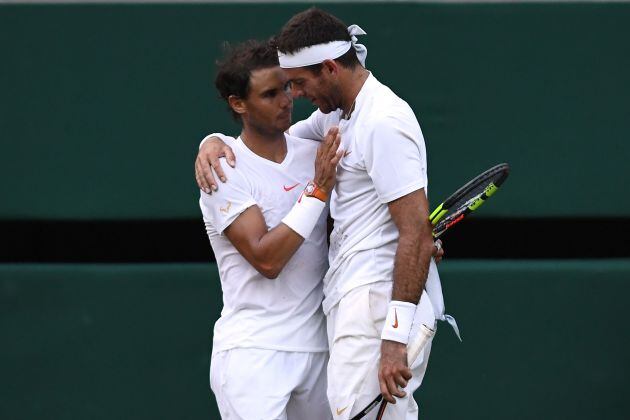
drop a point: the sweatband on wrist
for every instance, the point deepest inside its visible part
(226, 139)
(398, 321)
(304, 215)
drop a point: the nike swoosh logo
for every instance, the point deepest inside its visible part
(226, 208)
(346, 153)
(341, 411)
(395, 324)
(291, 187)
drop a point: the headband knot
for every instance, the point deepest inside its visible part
(360, 49)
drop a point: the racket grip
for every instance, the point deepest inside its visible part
(417, 343)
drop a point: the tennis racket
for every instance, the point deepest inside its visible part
(460, 204)
(467, 199)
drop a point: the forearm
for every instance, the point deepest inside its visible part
(274, 249)
(411, 266)
(415, 246)
(268, 251)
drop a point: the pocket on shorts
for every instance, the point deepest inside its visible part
(378, 299)
(218, 367)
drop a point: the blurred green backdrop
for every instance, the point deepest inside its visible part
(542, 340)
(103, 106)
(101, 111)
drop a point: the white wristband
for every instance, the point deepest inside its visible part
(398, 321)
(304, 215)
(226, 139)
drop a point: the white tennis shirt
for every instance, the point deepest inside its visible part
(280, 314)
(385, 159)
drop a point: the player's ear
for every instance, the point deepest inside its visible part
(330, 66)
(237, 104)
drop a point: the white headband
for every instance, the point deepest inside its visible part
(316, 54)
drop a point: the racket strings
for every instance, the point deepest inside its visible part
(468, 198)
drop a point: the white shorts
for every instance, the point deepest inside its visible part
(354, 334)
(259, 384)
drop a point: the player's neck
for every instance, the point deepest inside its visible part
(268, 145)
(352, 84)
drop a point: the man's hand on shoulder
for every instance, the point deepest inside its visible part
(212, 148)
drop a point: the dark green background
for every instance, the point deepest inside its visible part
(102, 107)
(542, 340)
(101, 111)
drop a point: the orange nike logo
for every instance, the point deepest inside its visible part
(395, 324)
(346, 153)
(341, 411)
(226, 208)
(291, 187)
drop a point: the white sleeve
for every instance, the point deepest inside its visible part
(232, 198)
(395, 157)
(226, 139)
(311, 128)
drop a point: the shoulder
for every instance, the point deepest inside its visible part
(394, 130)
(386, 105)
(237, 181)
(394, 122)
(391, 114)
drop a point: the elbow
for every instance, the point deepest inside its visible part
(269, 271)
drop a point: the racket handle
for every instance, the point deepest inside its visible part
(417, 343)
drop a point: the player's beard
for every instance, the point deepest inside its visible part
(331, 101)
(269, 128)
(327, 103)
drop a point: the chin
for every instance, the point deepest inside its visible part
(326, 110)
(284, 124)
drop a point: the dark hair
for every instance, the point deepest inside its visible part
(311, 27)
(235, 69)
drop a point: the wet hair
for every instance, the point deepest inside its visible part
(239, 61)
(312, 27)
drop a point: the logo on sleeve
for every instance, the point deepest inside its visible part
(395, 324)
(346, 153)
(290, 187)
(226, 209)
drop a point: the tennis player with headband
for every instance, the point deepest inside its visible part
(382, 286)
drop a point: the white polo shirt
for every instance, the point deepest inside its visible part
(385, 159)
(280, 314)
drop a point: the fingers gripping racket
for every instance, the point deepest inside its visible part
(456, 208)
(467, 199)
(413, 351)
